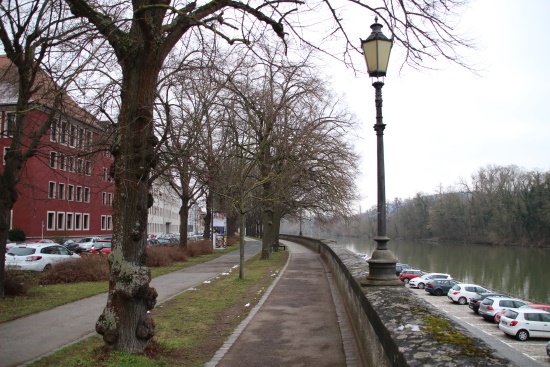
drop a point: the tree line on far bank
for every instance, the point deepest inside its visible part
(504, 205)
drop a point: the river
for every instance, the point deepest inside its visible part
(521, 272)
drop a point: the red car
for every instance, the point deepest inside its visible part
(407, 274)
(538, 306)
(101, 247)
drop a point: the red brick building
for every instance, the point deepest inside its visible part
(64, 190)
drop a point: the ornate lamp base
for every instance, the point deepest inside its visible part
(382, 270)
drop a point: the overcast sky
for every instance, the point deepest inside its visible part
(444, 125)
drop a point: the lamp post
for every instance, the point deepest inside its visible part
(376, 49)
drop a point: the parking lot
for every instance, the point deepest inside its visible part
(535, 349)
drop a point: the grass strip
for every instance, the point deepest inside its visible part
(191, 327)
(42, 298)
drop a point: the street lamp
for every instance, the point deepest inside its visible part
(376, 49)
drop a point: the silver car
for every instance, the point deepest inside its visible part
(37, 256)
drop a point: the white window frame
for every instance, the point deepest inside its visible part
(86, 195)
(109, 199)
(79, 166)
(103, 198)
(88, 168)
(9, 123)
(71, 163)
(85, 221)
(70, 192)
(52, 189)
(53, 159)
(61, 191)
(64, 132)
(77, 221)
(78, 194)
(103, 222)
(109, 222)
(53, 131)
(61, 161)
(73, 135)
(50, 225)
(89, 137)
(60, 218)
(69, 221)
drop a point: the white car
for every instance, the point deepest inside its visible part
(87, 243)
(37, 256)
(420, 282)
(526, 322)
(493, 305)
(461, 293)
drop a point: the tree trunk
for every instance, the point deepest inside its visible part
(267, 239)
(184, 218)
(276, 228)
(208, 217)
(242, 243)
(124, 323)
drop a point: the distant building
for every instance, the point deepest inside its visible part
(65, 189)
(164, 215)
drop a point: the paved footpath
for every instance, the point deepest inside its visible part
(300, 322)
(29, 338)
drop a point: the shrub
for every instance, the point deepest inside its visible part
(197, 248)
(18, 283)
(164, 256)
(16, 234)
(232, 240)
(90, 268)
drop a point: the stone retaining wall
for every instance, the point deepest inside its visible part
(392, 326)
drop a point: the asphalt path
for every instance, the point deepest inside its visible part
(30, 338)
(530, 353)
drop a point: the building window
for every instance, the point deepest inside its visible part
(50, 221)
(6, 150)
(71, 164)
(53, 131)
(79, 193)
(103, 222)
(69, 223)
(88, 140)
(86, 222)
(61, 191)
(63, 133)
(62, 161)
(88, 168)
(53, 159)
(86, 194)
(9, 125)
(79, 166)
(77, 221)
(109, 223)
(105, 175)
(72, 136)
(70, 193)
(80, 138)
(51, 190)
(109, 199)
(103, 198)
(60, 220)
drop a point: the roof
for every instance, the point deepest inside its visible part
(46, 90)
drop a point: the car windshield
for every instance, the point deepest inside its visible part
(21, 251)
(511, 314)
(87, 239)
(106, 244)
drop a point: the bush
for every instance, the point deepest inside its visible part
(164, 256)
(16, 234)
(198, 248)
(91, 268)
(18, 283)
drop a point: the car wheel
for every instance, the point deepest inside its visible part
(406, 280)
(462, 301)
(48, 267)
(438, 292)
(421, 286)
(522, 335)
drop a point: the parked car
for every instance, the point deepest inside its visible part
(421, 281)
(37, 256)
(399, 267)
(439, 287)
(163, 241)
(408, 274)
(491, 306)
(476, 299)
(546, 308)
(461, 293)
(101, 247)
(526, 322)
(86, 243)
(44, 240)
(72, 246)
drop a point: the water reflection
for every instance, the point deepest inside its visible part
(521, 272)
